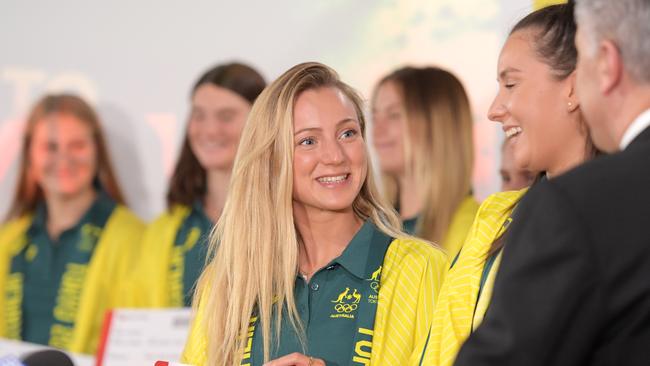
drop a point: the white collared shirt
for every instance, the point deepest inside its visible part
(635, 128)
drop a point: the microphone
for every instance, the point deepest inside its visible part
(49, 357)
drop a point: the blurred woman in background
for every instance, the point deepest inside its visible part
(423, 137)
(512, 177)
(174, 247)
(68, 241)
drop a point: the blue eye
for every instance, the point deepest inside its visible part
(349, 133)
(307, 141)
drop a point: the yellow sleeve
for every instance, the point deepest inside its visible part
(412, 274)
(461, 222)
(195, 352)
(115, 255)
(148, 281)
(12, 240)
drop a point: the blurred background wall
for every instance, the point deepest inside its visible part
(136, 61)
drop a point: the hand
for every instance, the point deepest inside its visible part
(296, 359)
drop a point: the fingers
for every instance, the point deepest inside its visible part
(296, 359)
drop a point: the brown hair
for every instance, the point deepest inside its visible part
(188, 182)
(555, 46)
(28, 193)
(439, 144)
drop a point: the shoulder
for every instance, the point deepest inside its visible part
(173, 216)
(15, 226)
(468, 206)
(125, 221)
(166, 225)
(12, 230)
(607, 174)
(413, 253)
(501, 201)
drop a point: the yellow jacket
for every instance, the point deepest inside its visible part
(114, 256)
(149, 282)
(411, 276)
(461, 222)
(460, 309)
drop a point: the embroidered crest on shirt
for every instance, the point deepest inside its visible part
(346, 303)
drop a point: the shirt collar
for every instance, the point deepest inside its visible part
(635, 128)
(355, 257)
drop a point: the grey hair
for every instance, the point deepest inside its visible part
(624, 22)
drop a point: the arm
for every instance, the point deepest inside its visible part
(546, 304)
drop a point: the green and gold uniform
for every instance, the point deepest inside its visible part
(458, 228)
(369, 305)
(56, 292)
(174, 249)
(466, 293)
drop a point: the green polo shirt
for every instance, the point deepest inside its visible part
(49, 265)
(408, 225)
(193, 236)
(331, 305)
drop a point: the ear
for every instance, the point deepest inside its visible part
(571, 96)
(609, 67)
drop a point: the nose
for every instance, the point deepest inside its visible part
(497, 111)
(332, 153)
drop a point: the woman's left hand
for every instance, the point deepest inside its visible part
(296, 359)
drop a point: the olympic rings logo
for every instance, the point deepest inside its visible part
(374, 286)
(345, 308)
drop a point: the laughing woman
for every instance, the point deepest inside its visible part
(540, 114)
(311, 267)
(69, 241)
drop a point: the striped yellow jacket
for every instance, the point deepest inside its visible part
(113, 258)
(460, 309)
(149, 282)
(411, 277)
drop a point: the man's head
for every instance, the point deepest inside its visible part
(613, 77)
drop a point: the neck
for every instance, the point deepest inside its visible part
(64, 212)
(217, 191)
(572, 150)
(409, 200)
(631, 106)
(324, 236)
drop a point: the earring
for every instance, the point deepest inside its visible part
(570, 104)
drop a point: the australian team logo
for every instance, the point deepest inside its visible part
(374, 285)
(346, 303)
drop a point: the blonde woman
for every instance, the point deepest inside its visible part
(423, 138)
(310, 267)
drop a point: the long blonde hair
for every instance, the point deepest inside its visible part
(438, 143)
(254, 247)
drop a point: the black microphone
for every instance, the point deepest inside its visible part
(49, 357)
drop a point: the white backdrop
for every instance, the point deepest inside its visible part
(136, 61)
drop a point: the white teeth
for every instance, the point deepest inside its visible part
(338, 178)
(513, 131)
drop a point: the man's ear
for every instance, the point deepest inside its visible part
(610, 66)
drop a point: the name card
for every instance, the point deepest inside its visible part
(136, 337)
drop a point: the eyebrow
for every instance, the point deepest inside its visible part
(506, 71)
(345, 120)
(390, 106)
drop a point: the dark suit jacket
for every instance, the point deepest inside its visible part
(574, 283)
